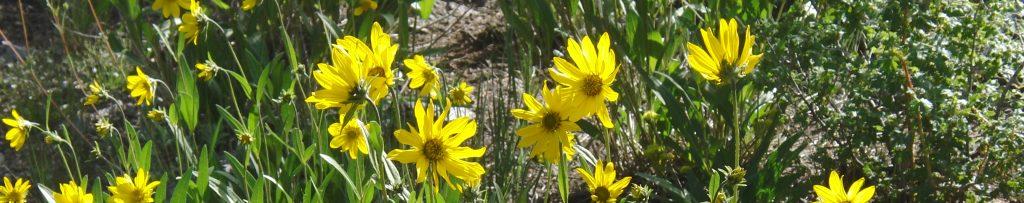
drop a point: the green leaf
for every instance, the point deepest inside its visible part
(426, 6)
(202, 182)
(242, 82)
(221, 4)
(47, 193)
(181, 190)
(188, 97)
(665, 184)
(563, 180)
(344, 174)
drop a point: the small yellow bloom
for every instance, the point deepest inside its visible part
(602, 184)
(141, 87)
(349, 137)
(133, 190)
(156, 115)
(249, 4)
(206, 72)
(423, 76)
(95, 91)
(460, 94)
(170, 8)
(72, 193)
(244, 138)
(16, 193)
(103, 127)
(835, 193)
(588, 80)
(190, 23)
(436, 147)
(725, 58)
(552, 124)
(345, 83)
(365, 5)
(19, 130)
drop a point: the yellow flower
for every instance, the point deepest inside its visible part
(156, 115)
(206, 72)
(377, 57)
(602, 184)
(725, 57)
(19, 130)
(365, 5)
(133, 190)
(141, 87)
(103, 127)
(190, 23)
(436, 147)
(248, 4)
(95, 90)
(349, 137)
(835, 193)
(72, 193)
(552, 125)
(588, 80)
(16, 193)
(460, 94)
(423, 76)
(345, 83)
(244, 138)
(170, 7)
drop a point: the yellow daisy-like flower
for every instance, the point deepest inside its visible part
(436, 147)
(345, 82)
(249, 4)
(16, 193)
(206, 72)
(95, 90)
(588, 80)
(460, 94)
(602, 184)
(141, 87)
(349, 137)
(170, 8)
(72, 193)
(552, 125)
(190, 23)
(423, 76)
(156, 115)
(365, 5)
(835, 193)
(725, 58)
(19, 130)
(133, 190)
(377, 57)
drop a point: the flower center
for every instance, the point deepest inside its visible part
(592, 85)
(433, 149)
(602, 194)
(458, 93)
(356, 94)
(429, 75)
(376, 71)
(351, 134)
(551, 121)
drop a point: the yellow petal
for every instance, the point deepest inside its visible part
(864, 195)
(824, 194)
(835, 183)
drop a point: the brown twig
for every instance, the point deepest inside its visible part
(100, 26)
(11, 45)
(24, 27)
